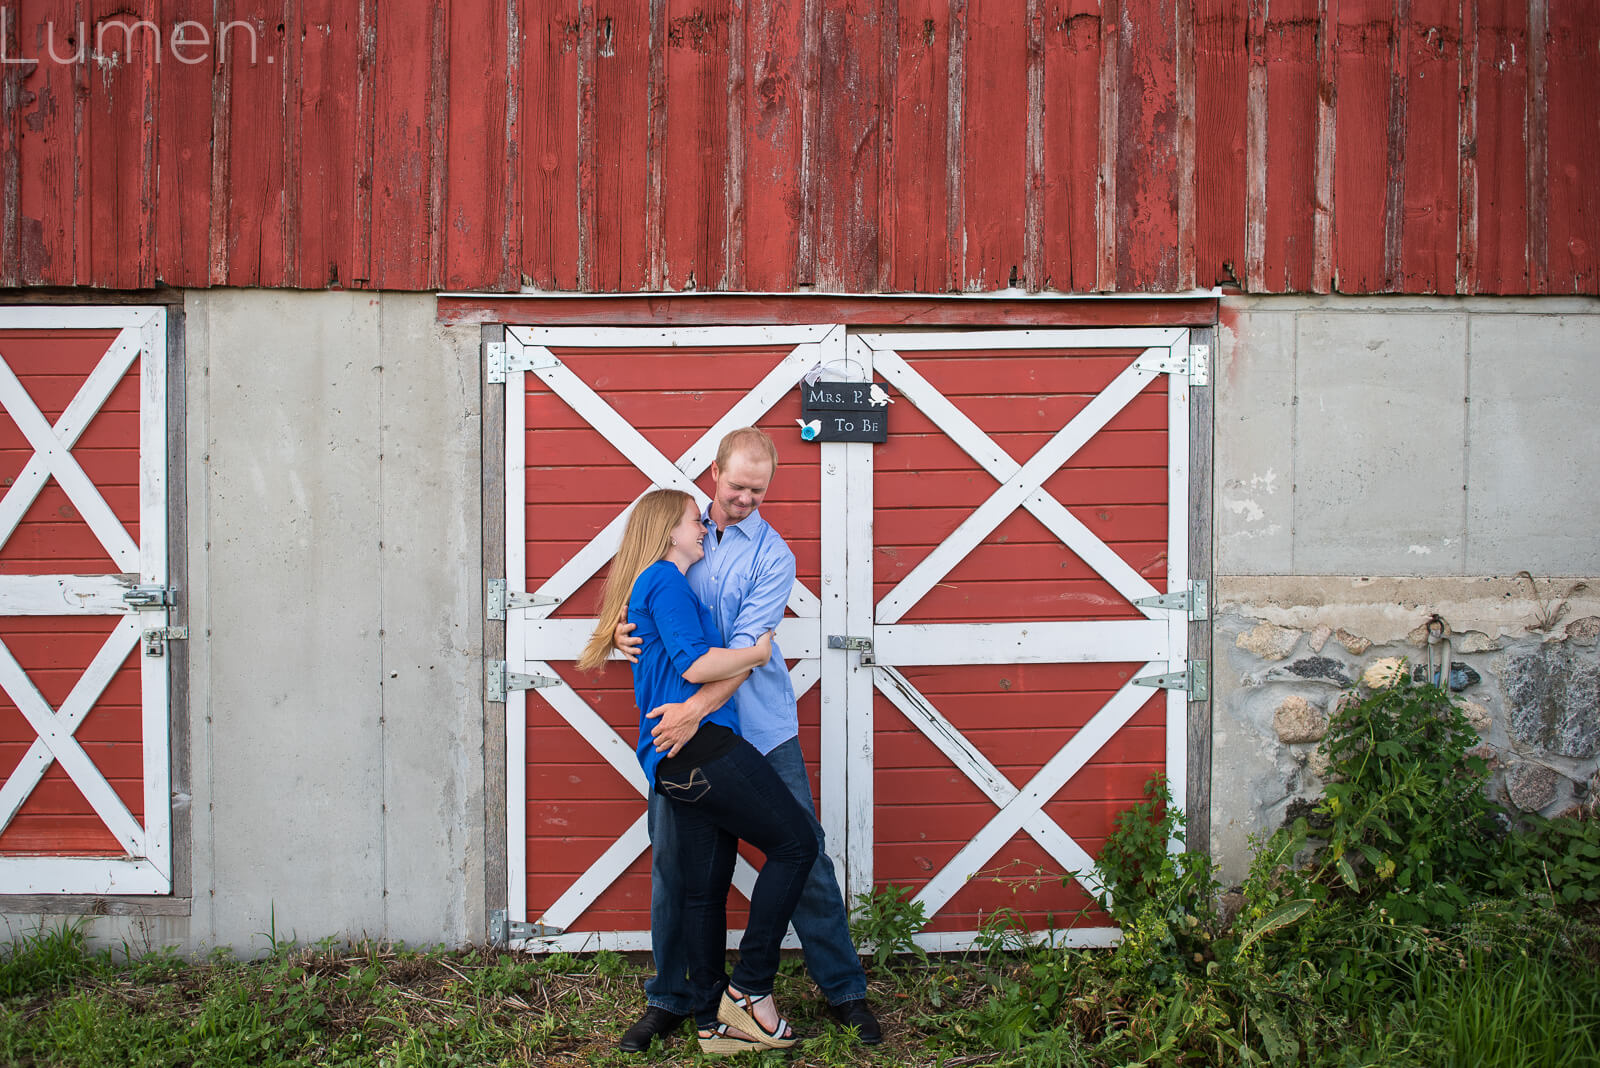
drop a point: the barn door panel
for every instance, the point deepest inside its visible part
(84, 761)
(595, 419)
(1033, 491)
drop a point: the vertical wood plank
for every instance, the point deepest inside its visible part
(774, 91)
(1361, 70)
(492, 444)
(1538, 157)
(366, 79)
(655, 146)
(437, 136)
(218, 243)
(1106, 233)
(694, 226)
(45, 123)
(549, 164)
(117, 162)
(1033, 269)
(325, 120)
(1500, 149)
(1467, 142)
(183, 159)
(1184, 18)
(1394, 219)
(11, 77)
(292, 24)
(1289, 153)
(1222, 99)
(916, 241)
(955, 173)
(1201, 502)
(888, 79)
(734, 163)
(1432, 151)
(1327, 140)
(994, 144)
(805, 271)
(254, 218)
(1071, 121)
(1255, 242)
(1147, 156)
(476, 181)
(617, 247)
(178, 733)
(511, 209)
(848, 155)
(402, 147)
(1572, 88)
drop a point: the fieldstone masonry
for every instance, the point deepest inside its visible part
(1533, 697)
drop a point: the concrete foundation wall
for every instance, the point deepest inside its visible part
(1379, 462)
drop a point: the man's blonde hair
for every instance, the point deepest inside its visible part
(750, 440)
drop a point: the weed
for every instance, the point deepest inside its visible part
(886, 923)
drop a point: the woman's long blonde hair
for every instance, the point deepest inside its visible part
(645, 540)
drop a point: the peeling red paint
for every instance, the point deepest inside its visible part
(902, 145)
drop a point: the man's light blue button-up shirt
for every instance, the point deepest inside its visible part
(745, 579)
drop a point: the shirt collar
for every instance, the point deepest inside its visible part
(749, 526)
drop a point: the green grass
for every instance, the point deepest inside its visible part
(65, 1004)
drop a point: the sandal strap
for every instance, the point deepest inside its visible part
(748, 1003)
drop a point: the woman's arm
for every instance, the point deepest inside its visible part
(717, 664)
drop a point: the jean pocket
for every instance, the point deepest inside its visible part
(688, 791)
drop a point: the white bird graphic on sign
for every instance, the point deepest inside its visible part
(809, 431)
(878, 396)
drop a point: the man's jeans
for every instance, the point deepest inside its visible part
(819, 919)
(735, 797)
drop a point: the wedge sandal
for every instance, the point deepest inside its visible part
(718, 1043)
(735, 1012)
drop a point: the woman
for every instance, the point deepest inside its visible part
(721, 788)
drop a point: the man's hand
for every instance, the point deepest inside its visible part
(679, 722)
(624, 642)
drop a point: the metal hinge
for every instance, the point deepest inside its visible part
(501, 681)
(150, 597)
(1196, 679)
(1196, 363)
(502, 929)
(155, 638)
(1192, 600)
(498, 600)
(498, 362)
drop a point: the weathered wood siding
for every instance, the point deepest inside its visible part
(1419, 146)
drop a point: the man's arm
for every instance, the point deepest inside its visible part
(680, 720)
(762, 604)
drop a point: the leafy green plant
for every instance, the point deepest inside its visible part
(1560, 857)
(886, 923)
(1405, 808)
(51, 958)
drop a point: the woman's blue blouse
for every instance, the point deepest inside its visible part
(676, 630)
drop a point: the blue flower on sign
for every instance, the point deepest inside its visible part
(809, 431)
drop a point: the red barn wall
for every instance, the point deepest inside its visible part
(1354, 146)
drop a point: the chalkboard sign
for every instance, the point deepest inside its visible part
(844, 411)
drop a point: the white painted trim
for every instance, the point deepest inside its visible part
(1177, 720)
(1076, 642)
(1012, 492)
(516, 488)
(563, 639)
(146, 867)
(932, 942)
(566, 703)
(999, 464)
(857, 710)
(52, 450)
(81, 875)
(85, 692)
(668, 337)
(57, 736)
(1045, 784)
(1052, 338)
(835, 803)
(601, 874)
(985, 776)
(155, 702)
(66, 595)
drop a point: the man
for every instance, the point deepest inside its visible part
(745, 579)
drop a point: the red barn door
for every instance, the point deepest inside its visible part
(975, 673)
(84, 797)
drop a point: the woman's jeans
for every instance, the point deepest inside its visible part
(736, 797)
